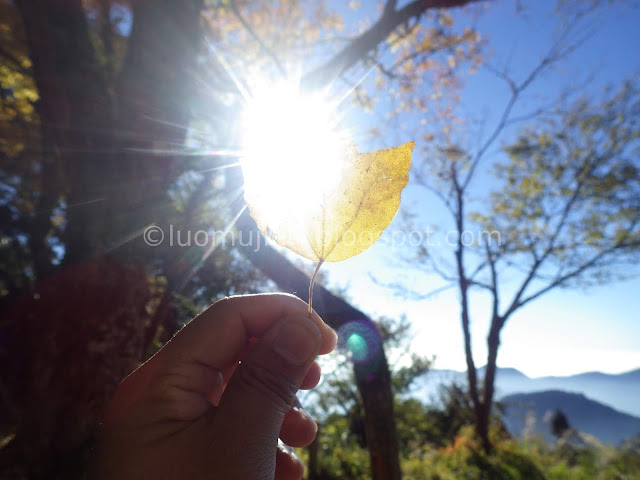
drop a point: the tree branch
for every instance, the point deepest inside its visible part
(263, 46)
(390, 7)
(463, 285)
(620, 244)
(359, 46)
(555, 53)
(517, 303)
(561, 279)
(494, 282)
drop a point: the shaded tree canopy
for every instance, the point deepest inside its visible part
(116, 116)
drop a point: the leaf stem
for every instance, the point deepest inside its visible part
(313, 279)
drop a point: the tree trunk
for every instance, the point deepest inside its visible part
(493, 343)
(479, 406)
(84, 328)
(372, 374)
(313, 472)
(72, 106)
(472, 374)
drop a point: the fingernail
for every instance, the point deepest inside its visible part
(297, 341)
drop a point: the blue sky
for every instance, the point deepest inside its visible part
(566, 331)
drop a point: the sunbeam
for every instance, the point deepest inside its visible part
(213, 245)
(349, 91)
(244, 92)
(126, 239)
(221, 167)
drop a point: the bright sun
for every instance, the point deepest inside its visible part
(293, 150)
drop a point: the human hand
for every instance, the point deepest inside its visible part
(194, 412)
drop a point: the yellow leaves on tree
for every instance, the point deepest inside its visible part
(18, 94)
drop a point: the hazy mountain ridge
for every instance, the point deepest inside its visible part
(606, 406)
(584, 414)
(619, 391)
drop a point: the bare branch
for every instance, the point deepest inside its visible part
(445, 200)
(561, 279)
(390, 7)
(476, 283)
(557, 52)
(501, 74)
(386, 71)
(494, 282)
(401, 289)
(390, 71)
(436, 268)
(359, 46)
(516, 303)
(478, 269)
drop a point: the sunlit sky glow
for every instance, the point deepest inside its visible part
(292, 151)
(565, 332)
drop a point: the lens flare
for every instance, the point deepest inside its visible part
(361, 340)
(358, 347)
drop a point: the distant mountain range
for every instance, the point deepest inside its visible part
(603, 405)
(585, 415)
(619, 391)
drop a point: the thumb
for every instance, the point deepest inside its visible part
(261, 391)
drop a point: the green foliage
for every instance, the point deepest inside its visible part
(514, 460)
(340, 455)
(455, 412)
(625, 463)
(438, 442)
(413, 424)
(586, 460)
(466, 459)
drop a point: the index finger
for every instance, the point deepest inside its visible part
(218, 335)
(216, 339)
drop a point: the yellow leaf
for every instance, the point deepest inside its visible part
(446, 20)
(348, 218)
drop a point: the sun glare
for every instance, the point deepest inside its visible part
(293, 150)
